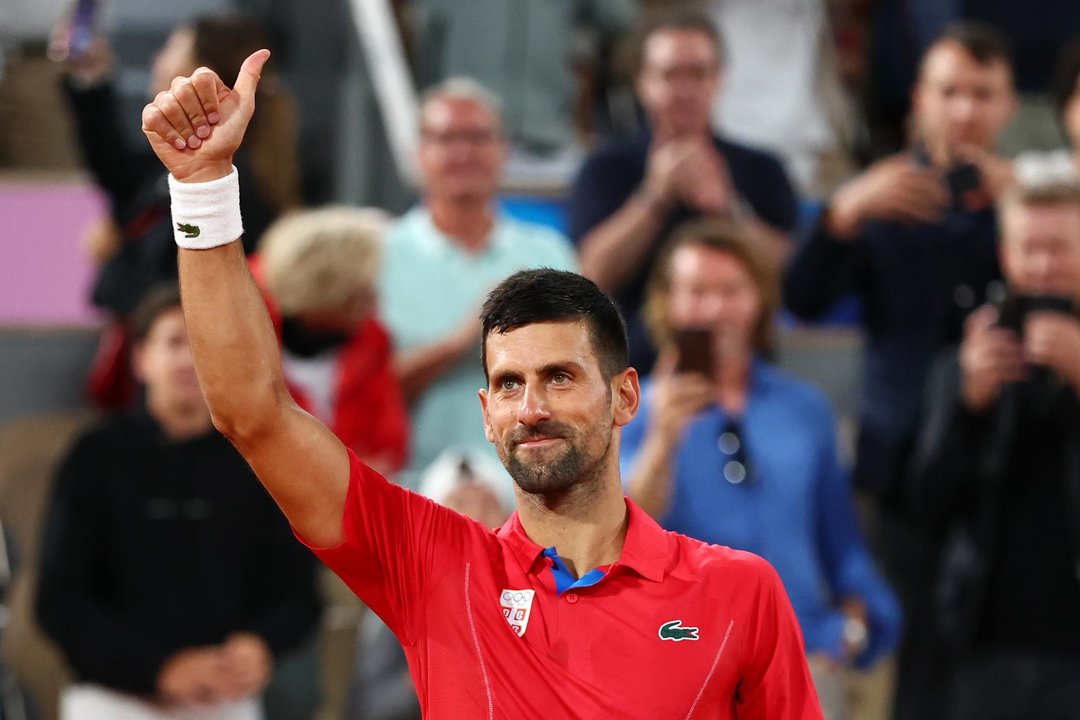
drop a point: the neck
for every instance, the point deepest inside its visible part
(733, 382)
(179, 421)
(586, 524)
(466, 220)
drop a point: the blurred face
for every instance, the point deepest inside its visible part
(712, 289)
(959, 101)
(1041, 249)
(548, 409)
(175, 58)
(462, 150)
(475, 500)
(1072, 116)
(163, 362)
(345, 318)
(678, 79)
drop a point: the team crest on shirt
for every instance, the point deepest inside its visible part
(516, 607)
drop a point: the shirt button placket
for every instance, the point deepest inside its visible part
(571, 598)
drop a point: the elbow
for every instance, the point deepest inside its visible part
(241, 416)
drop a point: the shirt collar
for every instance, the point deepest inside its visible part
(439, 242)
(646, 549)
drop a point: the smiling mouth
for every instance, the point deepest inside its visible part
(537, 442)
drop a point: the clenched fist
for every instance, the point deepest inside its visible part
(196, 125)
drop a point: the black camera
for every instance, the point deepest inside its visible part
(1015, 307)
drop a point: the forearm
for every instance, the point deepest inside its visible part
(652, 476)
(418, 368)
(614, 251)
(236, 351)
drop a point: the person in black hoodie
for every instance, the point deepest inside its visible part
(168, 576)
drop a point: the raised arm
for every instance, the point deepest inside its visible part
(195, 128)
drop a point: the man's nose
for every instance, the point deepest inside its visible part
(534, 406)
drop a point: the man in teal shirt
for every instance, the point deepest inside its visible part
(442, 257)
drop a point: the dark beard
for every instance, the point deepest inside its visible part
(569, 469)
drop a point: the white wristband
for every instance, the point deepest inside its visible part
(207, 214)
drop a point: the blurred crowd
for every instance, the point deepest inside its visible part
(730, 169)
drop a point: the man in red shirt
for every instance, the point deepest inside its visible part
(580, 605)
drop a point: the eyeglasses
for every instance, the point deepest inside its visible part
(736, 466)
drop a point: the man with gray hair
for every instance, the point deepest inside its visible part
(443, 256)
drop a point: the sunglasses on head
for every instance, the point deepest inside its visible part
(736, 468)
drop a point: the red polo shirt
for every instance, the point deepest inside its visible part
(675, 629)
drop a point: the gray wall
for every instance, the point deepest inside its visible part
(43, 370)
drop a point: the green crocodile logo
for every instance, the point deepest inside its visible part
(673, 631)
(192, 231)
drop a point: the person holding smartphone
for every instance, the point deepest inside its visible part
(998, 463)
(914, 238)
(729, 449)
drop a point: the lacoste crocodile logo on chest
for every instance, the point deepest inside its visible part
(675, 631)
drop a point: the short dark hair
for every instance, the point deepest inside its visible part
(546, 295)
(1065, 76)
(684, 19)
(157, 301)
(981, 40)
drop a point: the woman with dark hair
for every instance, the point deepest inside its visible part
(134, 248)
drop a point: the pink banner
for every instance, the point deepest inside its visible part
(45, 274)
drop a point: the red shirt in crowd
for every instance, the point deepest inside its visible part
(369, 413)
(674, 629)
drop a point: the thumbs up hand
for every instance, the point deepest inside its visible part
(196, 125)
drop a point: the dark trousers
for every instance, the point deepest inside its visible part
(1013, 685)
(910, 557)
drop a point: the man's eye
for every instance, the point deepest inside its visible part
(559, 378)
(509, 384)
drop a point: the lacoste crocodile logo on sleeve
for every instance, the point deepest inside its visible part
(675, 631)
(191, 231)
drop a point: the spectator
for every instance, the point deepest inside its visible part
(999, 461)
(318, 270)
(914, 236)
(730, 450)
(630, 194)
(135, 251)
(442, 257)
(168, 578)
(534, 54)
(381, 688)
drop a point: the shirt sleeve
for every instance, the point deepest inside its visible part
(850, 568)
(771, 194)
(598, 192)
(98, 645)
(776, 683)
(822, 269)
(396, 544)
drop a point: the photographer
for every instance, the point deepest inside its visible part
(998, 461)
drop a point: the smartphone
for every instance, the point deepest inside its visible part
(77, 36)
(694, 347)
(962, 179)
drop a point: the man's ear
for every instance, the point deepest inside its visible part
(488, 433)
(626, 396)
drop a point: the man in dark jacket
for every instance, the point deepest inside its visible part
(998, 461)
(914, 237)
(168, 575)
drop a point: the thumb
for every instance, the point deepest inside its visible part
(248, 78)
